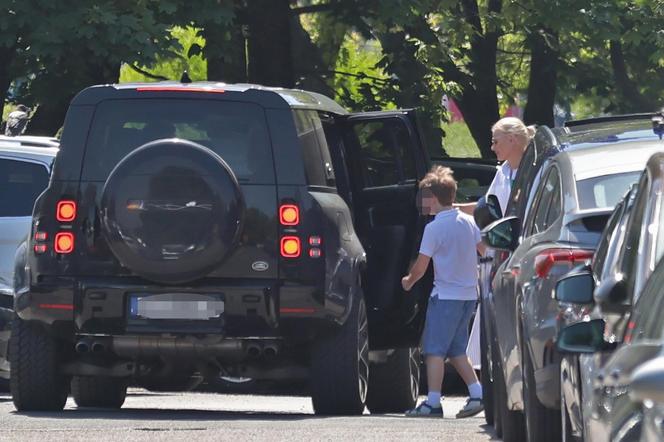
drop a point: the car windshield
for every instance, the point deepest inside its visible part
(236, 131)
(604, 191)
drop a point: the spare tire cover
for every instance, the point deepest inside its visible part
(172, 211)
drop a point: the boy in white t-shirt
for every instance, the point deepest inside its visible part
(451, 240)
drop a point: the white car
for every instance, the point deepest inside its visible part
(24, 174)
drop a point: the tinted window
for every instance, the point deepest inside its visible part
(236, 131)
(607, 241)
(629, 252)
(659, 241)
(315, 151)
(21, 183)
(548, 205)
(385, 152)
(604, 191)
(647, 314)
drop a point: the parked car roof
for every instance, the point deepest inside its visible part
(31, 140)
(294, 98)
(35, 153)
(605, 159)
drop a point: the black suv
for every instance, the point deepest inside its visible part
(201, 230)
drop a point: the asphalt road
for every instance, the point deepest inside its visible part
(148, 416)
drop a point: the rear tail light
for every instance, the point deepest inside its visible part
(289, 215)
(66, 211)
(41, 236)
(315, 253)
(550, 257)
(64, 242)
(40, 248)
(315, 241)
(290, 247)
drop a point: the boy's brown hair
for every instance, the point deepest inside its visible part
(440, 181)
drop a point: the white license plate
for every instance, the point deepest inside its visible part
(176, 306)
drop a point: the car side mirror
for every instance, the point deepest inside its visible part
(582, 337)
(612, 294)
(503, 234)
(576, 288)
(487, 211)
(647, 381)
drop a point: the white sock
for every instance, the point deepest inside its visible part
(433, 399)
(475, 390)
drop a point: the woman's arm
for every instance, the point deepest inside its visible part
(467, 208)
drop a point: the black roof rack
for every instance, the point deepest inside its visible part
(609, 118)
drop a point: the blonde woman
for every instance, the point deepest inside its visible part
(509, 139)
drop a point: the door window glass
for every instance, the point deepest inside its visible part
(21, 182)
(386, 153)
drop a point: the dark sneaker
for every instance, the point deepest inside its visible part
(473, 406)
(425, 410)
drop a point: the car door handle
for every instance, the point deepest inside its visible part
(513, 270)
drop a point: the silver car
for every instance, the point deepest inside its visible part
(24, 174)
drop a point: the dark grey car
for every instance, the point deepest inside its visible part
(634, 243)
(575, 193)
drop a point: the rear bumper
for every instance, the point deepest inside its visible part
(101, 307)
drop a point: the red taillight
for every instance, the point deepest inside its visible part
(315, 241)
(64, 242)
(65, 211)
(40, 248)
(290, 247)
(41, 236)
(629, 332)
(548, 258)
(315, 253)
(289, 215)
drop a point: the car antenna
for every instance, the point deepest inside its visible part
(185, 77)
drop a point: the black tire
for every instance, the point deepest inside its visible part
(35, 384)
(340, 366)
(487, 384)
(394, 385)
(542, 424)
(498, 395)
(511, 421)
(99, 392)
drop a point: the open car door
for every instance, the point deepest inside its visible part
(386, 159)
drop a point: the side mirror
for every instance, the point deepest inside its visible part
(576, 288)
(487, 211)
(503, 234)
(647, 381)
(612, 294)
(582, 337)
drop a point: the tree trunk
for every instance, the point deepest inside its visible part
(631, 99)
(225, 51)
(479, 97)
(544, 49)
(7, 57)
(269, 43)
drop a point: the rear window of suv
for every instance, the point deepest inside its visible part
(236, 131)
(604, 191)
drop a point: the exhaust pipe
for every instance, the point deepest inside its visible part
(270, 351)
(82, 346)
(98, 347)
(254, 350)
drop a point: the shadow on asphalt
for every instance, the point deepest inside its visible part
(488, 429)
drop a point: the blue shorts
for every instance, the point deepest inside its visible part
(446, 327)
